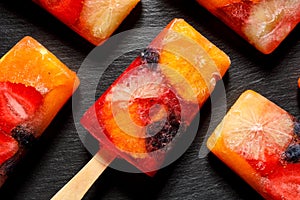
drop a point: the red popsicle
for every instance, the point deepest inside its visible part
(142, 115)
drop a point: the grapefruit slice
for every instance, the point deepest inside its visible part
(258, 134)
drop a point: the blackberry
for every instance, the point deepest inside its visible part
(150, 56)
(23, 135)
(158, 139)
(292, 153)
(297, 128)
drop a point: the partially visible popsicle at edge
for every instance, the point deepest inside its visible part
(263, 23)
(34, 85)
(94, 20)
(261, 143)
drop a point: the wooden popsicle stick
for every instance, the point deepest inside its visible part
(76, 188)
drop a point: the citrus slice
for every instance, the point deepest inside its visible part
(190, 62)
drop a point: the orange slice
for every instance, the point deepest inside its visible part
(191, 63)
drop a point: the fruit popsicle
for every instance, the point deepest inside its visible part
(34, 85)
(263, 23)
(142, 114)
(94, 20)
(261, 143)
(145, 110)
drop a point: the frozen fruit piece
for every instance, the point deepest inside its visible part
(257, 140)
(8, 147)
(292, 153)
(34, 85)
(23, 135)
(95, 20)
(161, 133)
(297, 128)
(143, 113)
(17, 103)
(150, 56)
(284, 183)
(264, 23)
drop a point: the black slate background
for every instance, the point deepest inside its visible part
(59, 154)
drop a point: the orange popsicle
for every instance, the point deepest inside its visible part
(34, 85)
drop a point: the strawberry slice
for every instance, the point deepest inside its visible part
(17, 103)
(8, 147)
(67, 11)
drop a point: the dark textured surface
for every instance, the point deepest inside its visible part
(59, 154)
